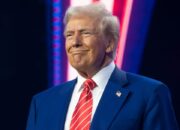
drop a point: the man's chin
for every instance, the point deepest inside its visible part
(78, 67)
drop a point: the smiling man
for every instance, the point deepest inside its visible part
(87, 48)
(102, 97)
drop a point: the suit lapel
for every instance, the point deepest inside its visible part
(111, 102)
(65, 97)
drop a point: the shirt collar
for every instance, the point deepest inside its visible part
(101, 77)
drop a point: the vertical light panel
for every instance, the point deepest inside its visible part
(123, 35)
(137, 32)
(57, 41)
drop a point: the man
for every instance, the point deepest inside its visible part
(102, 97)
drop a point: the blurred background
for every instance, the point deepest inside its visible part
(32, 56)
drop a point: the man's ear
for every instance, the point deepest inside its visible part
(110, 46)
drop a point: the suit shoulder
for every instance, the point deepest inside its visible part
(145, 82)
(145, 87)
(140, 78)
(55, 89)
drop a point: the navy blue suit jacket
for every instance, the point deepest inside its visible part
(144, 104)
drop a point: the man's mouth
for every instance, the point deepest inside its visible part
(74, 52)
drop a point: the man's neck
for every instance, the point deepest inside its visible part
(88, 73)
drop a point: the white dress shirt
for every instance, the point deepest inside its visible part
(101, 78)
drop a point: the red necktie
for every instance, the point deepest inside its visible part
(81, 118)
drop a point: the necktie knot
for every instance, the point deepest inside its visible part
(89, 84)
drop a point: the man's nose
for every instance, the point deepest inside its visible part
(77, 39)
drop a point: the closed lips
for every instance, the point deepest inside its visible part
(77, 51)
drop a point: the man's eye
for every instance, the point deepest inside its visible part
(68, 35)
(87, 33)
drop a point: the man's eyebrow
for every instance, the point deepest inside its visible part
(85, 29)
(80, 29)
(68, 31)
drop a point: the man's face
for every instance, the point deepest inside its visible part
(85, 46)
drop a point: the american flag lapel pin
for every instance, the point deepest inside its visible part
(118, 93)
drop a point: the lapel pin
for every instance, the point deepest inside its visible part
(118, 93)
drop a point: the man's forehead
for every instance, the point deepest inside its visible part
(79, 27)
(81, 22)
